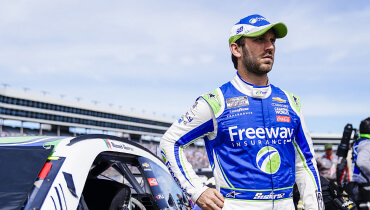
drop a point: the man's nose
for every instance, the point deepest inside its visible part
(269, 46)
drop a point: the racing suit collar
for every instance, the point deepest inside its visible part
(364, 135)
(251, 90)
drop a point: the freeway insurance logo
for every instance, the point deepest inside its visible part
(268, 160)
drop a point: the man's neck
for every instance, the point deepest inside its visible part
(252, 78)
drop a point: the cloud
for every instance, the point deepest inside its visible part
(163, 58)
(55, 37)
(314, 26)
(123, 50)
(336, 56)
(206, 58)
(187, 60)
(332, 106)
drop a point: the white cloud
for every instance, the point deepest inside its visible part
(206, 58)
(25, 70)
(327, 106)
(187, 60)
(131, 47)
(336, 56)
(311, 27)
(163, 58)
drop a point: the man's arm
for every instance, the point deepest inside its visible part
(198, 122)
(363, 156)
(307, 175)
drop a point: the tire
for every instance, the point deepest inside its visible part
(137, 204)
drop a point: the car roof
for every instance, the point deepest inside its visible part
(67, 142)
(24, 157)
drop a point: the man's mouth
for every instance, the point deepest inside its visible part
(268, 58)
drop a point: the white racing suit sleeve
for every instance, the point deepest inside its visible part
(198, 122)
(307, 176)
(363, 157)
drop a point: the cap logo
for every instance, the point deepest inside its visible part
(239, 30)
(255, 20)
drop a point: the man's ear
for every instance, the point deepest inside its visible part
(235, 50)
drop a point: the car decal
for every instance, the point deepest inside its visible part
(60, 200)
(64, 197)
(7, 140)
(107, 143)
(27, 140)
(55, 206)
(70, 183)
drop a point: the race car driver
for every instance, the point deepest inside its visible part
(255, 135)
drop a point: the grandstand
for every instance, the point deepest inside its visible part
(61, 117)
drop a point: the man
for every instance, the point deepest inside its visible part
(360, 192)
(361, 153)
(254, 133)
(327, 163)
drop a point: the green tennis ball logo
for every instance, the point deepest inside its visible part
(268, 160)
(254, 20)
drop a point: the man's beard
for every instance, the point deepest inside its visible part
(251, 64)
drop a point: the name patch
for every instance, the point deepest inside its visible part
(237, 102)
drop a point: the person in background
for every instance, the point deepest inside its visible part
(359, 189)
(361, 153)
(327, 165)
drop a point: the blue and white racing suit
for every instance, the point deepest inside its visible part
(257, 144)
(361, 155)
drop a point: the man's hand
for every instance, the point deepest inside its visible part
(211, 199)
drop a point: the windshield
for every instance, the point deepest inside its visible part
(164, 187)
(20, 166)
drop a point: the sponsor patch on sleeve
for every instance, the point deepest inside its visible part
(188, 116)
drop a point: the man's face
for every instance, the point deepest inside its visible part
(258, 53)
(328, 152)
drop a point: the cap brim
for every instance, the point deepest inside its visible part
(280, 30)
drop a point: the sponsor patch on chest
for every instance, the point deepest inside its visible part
(283, 118)
(281, 111)
(237, 102)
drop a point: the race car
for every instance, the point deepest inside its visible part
(87, 172)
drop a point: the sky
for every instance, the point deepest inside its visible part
(157, 57)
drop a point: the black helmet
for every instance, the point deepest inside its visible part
(365, 126)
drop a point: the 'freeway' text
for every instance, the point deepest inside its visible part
(251, 133)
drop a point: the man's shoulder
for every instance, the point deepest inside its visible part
(364, 143)
(282, 90)
(214, 99)
(294, 99)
